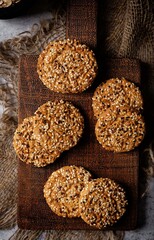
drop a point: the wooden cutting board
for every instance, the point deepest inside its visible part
(33, 212)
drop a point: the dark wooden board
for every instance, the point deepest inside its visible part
(33, 212)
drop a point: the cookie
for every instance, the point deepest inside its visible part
(57, 126)
(67, 66)
(30, 150)
(62, 190)
(60, 122)
(102, 203)
(116, 93)
(120, 130)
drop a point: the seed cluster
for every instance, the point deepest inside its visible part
(62, 190)
(56, 126)
(7, 3)
(67, 66)
(102, 203)
(117, 104)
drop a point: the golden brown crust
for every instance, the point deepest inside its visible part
(120, 130)
(116, 93)
(102, 203)
(67, 66)
(62, 190)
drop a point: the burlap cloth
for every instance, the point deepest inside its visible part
(127, 31)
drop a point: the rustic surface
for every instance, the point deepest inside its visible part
(33, 212)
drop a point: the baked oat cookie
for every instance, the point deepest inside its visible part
(61, 123)
(62, 190)
(120, 129)
(67, 66)
(29, 149)
(57, 126)
(102, 203)
(116, 92)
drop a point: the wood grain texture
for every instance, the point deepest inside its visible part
(33, 212)
(82, 21)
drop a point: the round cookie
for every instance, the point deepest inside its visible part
(29, 149)
(102, 203)
(120, 130)
(60, 122)
(62, 190)
(116, 92)
(67, 66)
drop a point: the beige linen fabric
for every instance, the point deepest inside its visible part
(127, 31)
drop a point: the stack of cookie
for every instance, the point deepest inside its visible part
(55, 127)
(117, 105)
(71, 192)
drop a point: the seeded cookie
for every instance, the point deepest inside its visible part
(67, 66)
(62, 190)
(57, 126)
(120, 130)
(28, 148)
(102, 203)
(60, 121)
(116, 92)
